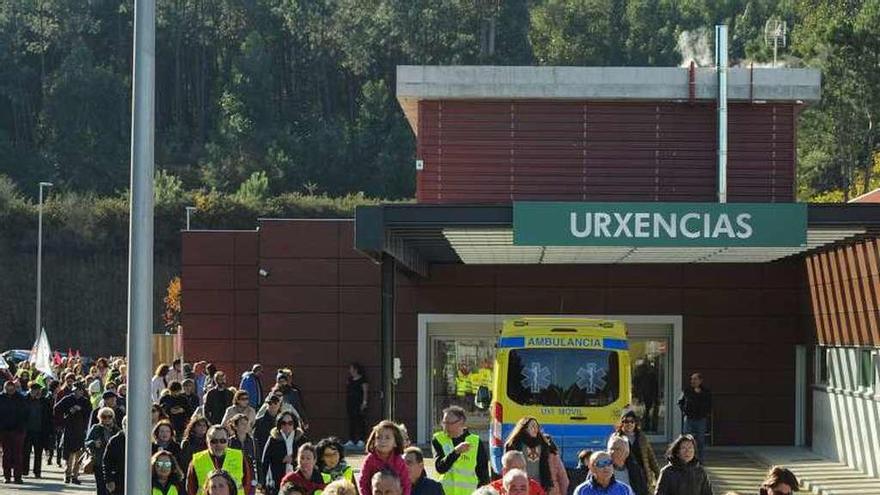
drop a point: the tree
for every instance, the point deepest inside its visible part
(172, 300)
(842, 38)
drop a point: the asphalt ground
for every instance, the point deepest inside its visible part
(728, 469)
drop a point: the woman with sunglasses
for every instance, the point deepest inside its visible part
(683, 474)
(240, 405)
(279, 455)
(640, 447)
(163, 439)
(167, 478)
(96, 442)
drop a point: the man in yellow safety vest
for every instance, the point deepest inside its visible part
(218, 456)
(460, 457)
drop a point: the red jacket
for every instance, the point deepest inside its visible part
(308, 485)
(373, 464)
(534, 487)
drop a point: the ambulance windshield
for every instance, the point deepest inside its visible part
(563, 377)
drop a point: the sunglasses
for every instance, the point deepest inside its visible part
(604, 463)
(163, 464)
(215, 441)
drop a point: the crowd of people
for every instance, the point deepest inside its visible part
(209, 438)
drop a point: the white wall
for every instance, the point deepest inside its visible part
(846, 417)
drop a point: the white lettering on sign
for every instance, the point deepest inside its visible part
(691, 225)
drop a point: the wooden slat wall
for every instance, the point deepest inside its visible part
(497, 152)
(844, 288)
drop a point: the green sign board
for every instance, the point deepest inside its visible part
(660, 224)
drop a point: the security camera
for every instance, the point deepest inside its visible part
(263, 272)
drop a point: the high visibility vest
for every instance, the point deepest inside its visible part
(327, 479)
(484, 377)
(233, 464)
(347, 475)
(172, 490)
(462, 385)
(461, 479)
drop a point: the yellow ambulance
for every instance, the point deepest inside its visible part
(572, 374)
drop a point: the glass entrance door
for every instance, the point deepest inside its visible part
(459, 365)
(651, 382)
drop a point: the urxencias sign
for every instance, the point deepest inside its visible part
(660, 224)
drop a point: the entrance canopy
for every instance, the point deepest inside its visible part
(419, 235)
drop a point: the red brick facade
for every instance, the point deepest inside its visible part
(318, 309)
(501, 151)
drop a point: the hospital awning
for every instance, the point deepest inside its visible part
(420, 235)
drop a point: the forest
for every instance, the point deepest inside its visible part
(297, 96)
(286, 108)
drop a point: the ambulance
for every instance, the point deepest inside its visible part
(572, 374)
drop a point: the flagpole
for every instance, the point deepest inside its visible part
(39, 325)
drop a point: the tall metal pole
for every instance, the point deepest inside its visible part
(40, 262)
(721, 68)
(387, 322)
(140, 254)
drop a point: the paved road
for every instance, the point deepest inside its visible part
(52, 482)
(734, 471)
(729, 470)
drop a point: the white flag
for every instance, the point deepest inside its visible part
(41, 355)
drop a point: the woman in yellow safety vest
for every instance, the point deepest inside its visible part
(331, 461)
(167, 477)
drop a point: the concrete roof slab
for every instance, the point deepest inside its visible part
(474, 82)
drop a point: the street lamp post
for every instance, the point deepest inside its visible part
(189, 211)
(140, 252)
(40, 261)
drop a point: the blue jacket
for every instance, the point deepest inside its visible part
(590, 487)
(251, 384)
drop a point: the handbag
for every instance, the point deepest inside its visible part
(88, 465)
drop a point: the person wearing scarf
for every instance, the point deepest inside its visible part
(528, 439)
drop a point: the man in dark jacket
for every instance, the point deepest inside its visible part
(38, 428)
(177, 408)
(74, 411)
(421, 484)
(626, 468)
(217, 399)
(696, 406)
(266, 421)
(114, 462)
(291, 394)
(12, 423)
